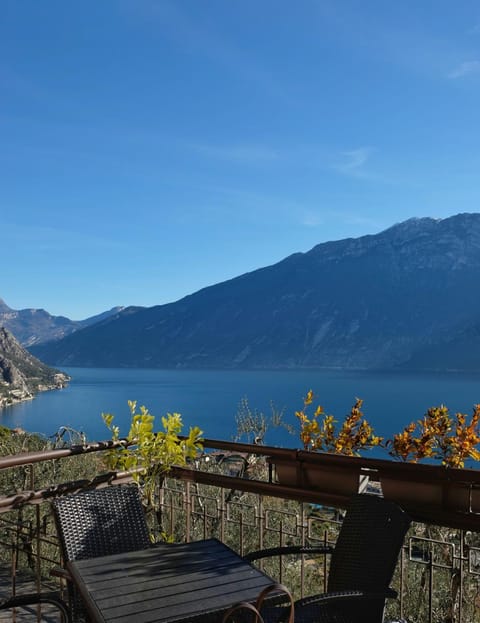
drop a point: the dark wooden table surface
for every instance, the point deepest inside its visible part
(167, 583)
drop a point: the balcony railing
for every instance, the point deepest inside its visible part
(232, 492)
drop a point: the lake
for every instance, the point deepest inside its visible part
(210, 398)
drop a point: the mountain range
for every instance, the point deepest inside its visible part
(406, 297)
(34, 326)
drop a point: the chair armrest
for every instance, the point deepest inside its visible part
(345, 596)
(20, 601)
(61, 572)
(288, 549)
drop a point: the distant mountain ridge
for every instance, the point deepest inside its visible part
(22, 376)
(34, 326)
(406, 297)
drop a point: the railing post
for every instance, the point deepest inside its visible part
(280, 534)
(430, 587)
(38, 565)
(13, 570)
(240, 527)
(223, 513)
(401, 569)
(261, 521)
(462, 564)
(325, 565)
(303, 531)
(188, 511)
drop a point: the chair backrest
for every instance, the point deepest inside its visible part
(99, 522)
(368, 545)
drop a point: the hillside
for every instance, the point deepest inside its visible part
(22, 375)
(403, 297)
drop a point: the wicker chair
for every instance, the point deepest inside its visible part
(31, 599)
(99, 522)
(361, 565)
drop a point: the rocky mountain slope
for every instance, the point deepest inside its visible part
(408, 296)
(34, 326)
(22, 375)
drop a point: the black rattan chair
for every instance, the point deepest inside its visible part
(361, 566)
(99, 522)
(32, 599)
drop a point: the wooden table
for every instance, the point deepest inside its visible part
(168, 582)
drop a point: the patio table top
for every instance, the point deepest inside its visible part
(166, 583)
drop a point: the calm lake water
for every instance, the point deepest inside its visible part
(210, 398)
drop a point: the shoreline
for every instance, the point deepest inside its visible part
(12, 396)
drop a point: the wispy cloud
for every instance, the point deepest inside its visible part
(312, 219)
(197, 35)
(465, 69)
(385, 37)
(353, 161)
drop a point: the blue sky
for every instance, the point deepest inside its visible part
(149, 148)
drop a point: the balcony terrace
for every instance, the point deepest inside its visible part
(233, 492)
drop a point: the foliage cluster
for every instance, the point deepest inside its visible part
(149, 454)
(438, 435)
(319, 431)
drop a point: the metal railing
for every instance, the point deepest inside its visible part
(231, 493)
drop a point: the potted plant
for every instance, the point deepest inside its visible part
(437, 437)
(325, 463)
(315, 466)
